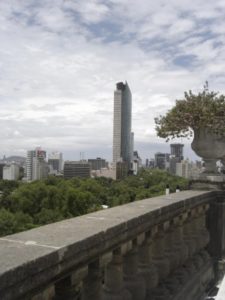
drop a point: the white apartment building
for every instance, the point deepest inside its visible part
(36, 166)
(187, 169)
(183, 169)
(11, 172)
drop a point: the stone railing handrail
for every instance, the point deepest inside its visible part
(31, 260)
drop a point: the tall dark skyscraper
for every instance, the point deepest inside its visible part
(177, 151)
(122, 141)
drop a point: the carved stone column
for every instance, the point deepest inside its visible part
(113, 288)
(146, 267)
(92, 284)
(159, 258)
(133, 281)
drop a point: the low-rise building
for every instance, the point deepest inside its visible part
(76, 169)
(97, 163)
(109, 172)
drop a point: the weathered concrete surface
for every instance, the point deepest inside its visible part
(34, 258)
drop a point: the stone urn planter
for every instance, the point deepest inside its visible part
(204, 114)
(210, 147)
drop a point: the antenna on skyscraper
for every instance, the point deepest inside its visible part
(206, 86)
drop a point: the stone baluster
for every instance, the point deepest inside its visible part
(176, 252)
(171, 252)
(65, 289)
(146, 267)
(159, 258)
(204, 231)
(113, 288)
(179, 244)
(196, 233)
(92, 284)
(193, 242)
(188, 235)
(190, 242)
(197, 228)
(133, 281)
(181, 273)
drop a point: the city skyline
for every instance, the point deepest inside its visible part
(59, 65)
(188, 153)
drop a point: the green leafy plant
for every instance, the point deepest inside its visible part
(203, 110)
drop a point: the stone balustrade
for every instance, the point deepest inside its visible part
(153, 249)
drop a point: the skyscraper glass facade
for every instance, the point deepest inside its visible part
(122, 124)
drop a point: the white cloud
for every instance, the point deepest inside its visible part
(59, 65)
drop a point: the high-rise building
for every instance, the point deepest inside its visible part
(76, 169)
(55, 162)
(137, 162)
(162, 160)
(151, 163)
(36, 166)
(132, 146)
(172, 164)
(122, 138)
(177, 151)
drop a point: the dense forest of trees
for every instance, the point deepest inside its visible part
(28, 205)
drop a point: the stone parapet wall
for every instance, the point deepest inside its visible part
(152, 249)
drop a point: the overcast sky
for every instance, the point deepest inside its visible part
(60, 61)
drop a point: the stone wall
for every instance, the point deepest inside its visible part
(152, 249)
